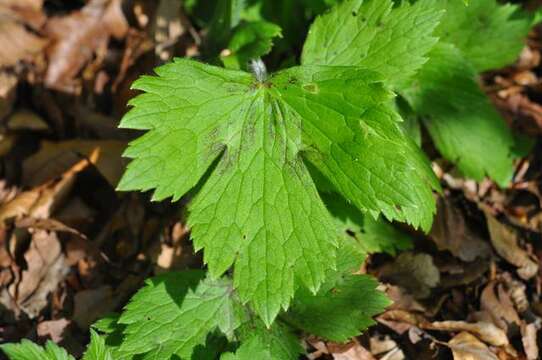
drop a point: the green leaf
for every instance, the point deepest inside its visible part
(97, 349)
(276, 340)
(250, 40)
(107, 324)
(340, 313)
(252, 349)
(257, 207)
(113, 334)
(460, 118)
(490, 35)
(175, 312)
(371, 235)
(227, 15)
(27, 350)
(374, 35)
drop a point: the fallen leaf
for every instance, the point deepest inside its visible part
(528, 59)
(517, 291)
(46, 268)
(354, 351)
(414, 272)
(386, 348)
(402, 300)
(466, 274)
(78, 37)
(450, 232)
(496, 301)
(53, 329)
(55, 158)
(485, 331)
(529, 340)
(505, 242)
(42, 201)
(465, 346)
(18, 43)
(46, 224)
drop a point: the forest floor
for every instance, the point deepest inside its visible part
(72, 249)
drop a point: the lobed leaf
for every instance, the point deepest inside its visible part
(27, 350)
(460, 118)
(341, 312)
(252, 349)
(490, 35)
(276, 340)
(97, 350)
(245, 143)
(250, 40)
(175, 312)
(374, 35)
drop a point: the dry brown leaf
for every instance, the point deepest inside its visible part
(354, 352)
(414, 272)
(7, 192)
(402, 300)
(505, 242)
(18, 43)
(529, 340)
(528, 59)
(467, 347)
(450, 232)
(463, 274)
(319, 346)
(46, 268)
(499, 305)
(517, 291)
(53, 329)
(402, 316)
(386, 348)
(78, 37)
(54, 158)
(42, 201)
(486, 332)
(46, 224)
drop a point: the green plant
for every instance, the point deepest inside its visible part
(286, 169)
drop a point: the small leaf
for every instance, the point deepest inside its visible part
(27, 350)
(374, 35)
(252, 349)
(276, 340)
(460, 118)
(227, 15)
(250, 40)
(340, 313)
(97, 349)
(371, 235)
(175, 312)
(488, 34)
